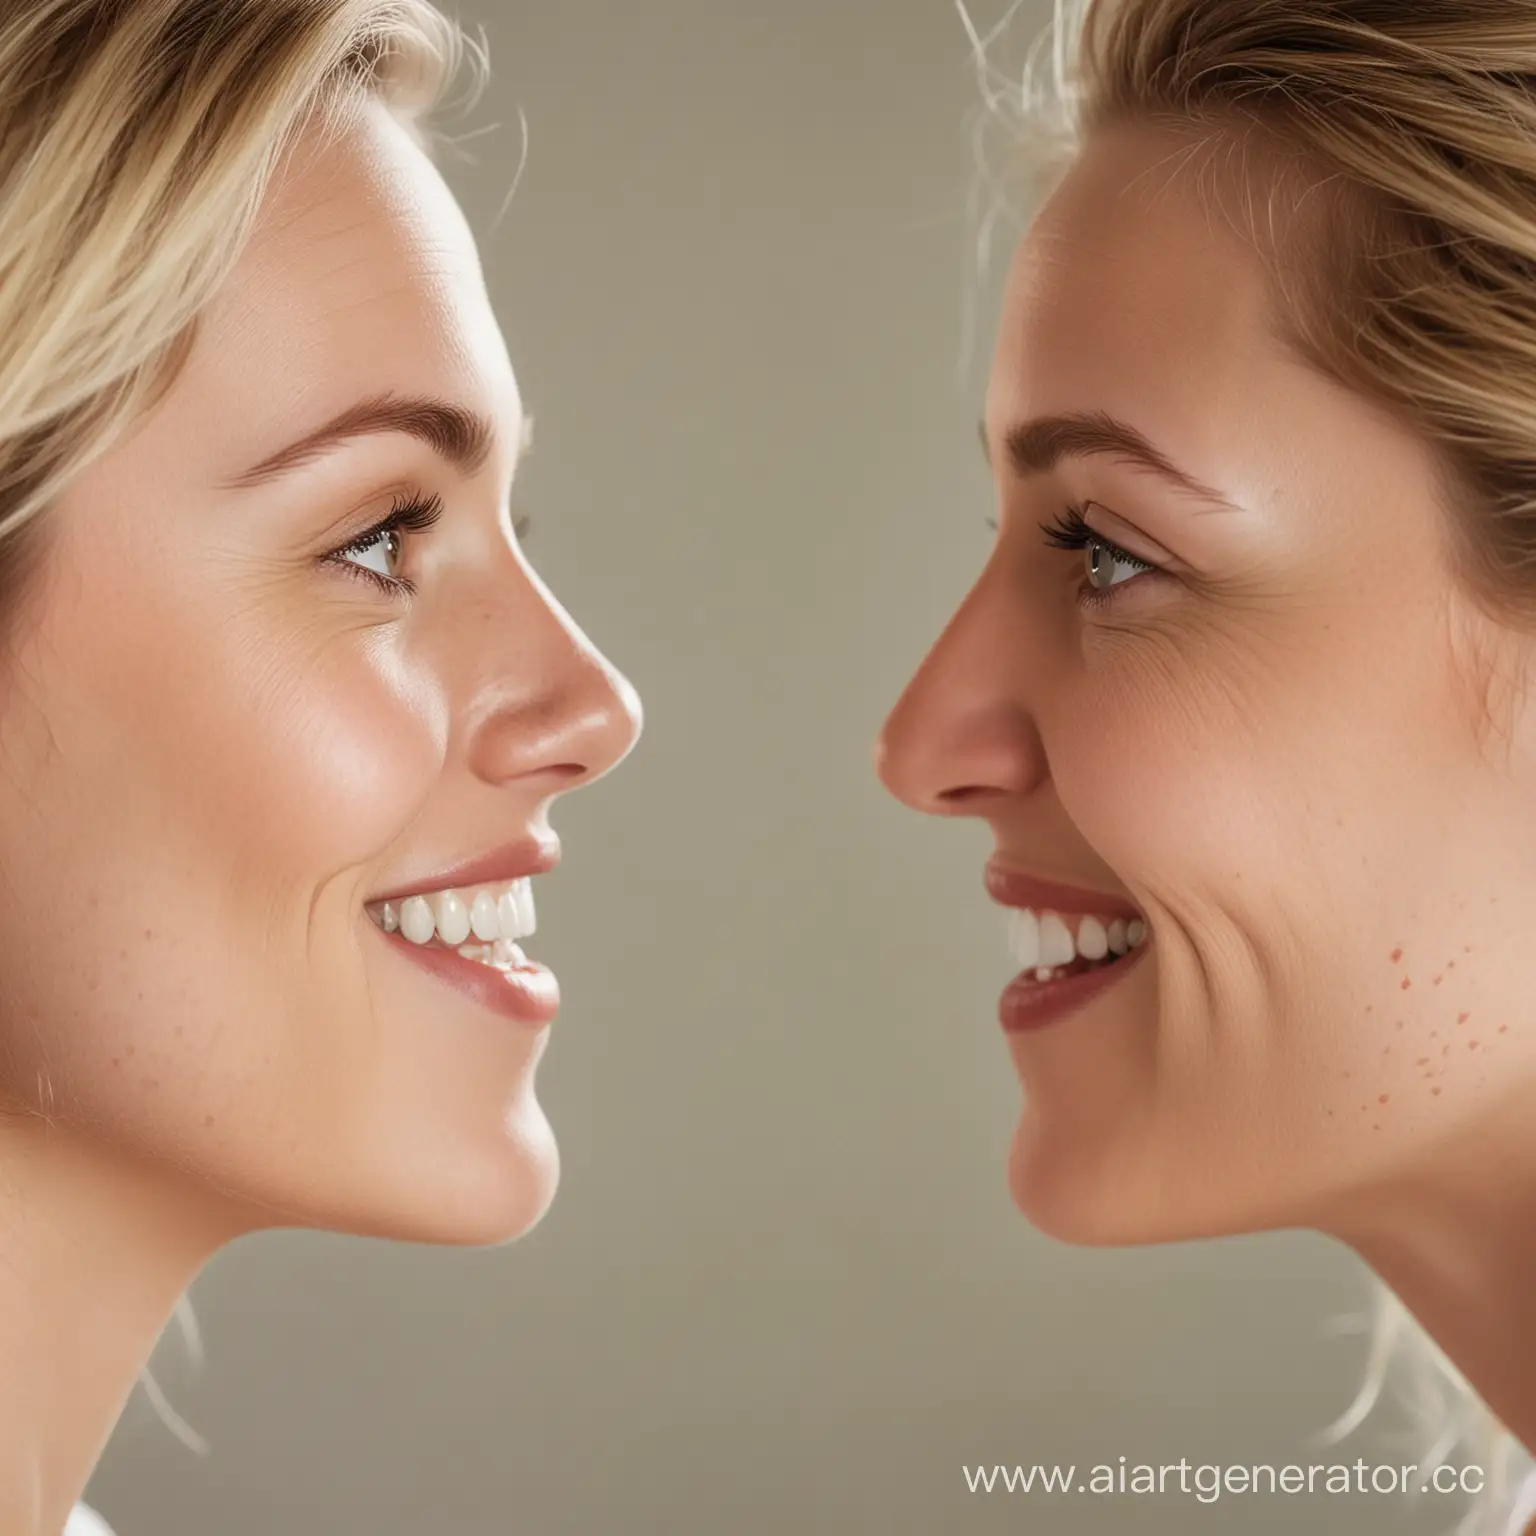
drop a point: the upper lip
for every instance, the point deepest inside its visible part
(512, 861)
(1011, 887)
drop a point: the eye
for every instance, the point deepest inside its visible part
(385, 541)
(1105, 559)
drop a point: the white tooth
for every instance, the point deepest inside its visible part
(482, 917)
(522, 894)
(452, 916)
(509, 919)
(1135, 932)
(481, 952)
(504, 952)
(1055, 941)
(391, 918)
(416, 920)
(1117, 939)
(1024, 938)
(1092, 940)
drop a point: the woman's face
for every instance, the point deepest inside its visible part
(1274, 748)
(221, 742)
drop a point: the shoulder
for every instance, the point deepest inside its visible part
(84, 1521)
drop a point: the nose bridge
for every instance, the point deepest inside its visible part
(964, 727)
(545, 701)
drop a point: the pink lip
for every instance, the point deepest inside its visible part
(528, 994)
(1028, 1005)
(527, 856)
(1012, 888)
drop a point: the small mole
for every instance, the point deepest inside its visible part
(1466, 949)
(149, 933)
(1503, 1029)
(1450, 965)
(117, 1061)
(1369, 1007)
(1397, 954)
(1364, 1107)
(1461, 1018)
(1383, 1098)
(1434, 1034)
(1472, 1045)
(1423, 1061)
(1436, 982)
(1406, 984)
(1435, 1091)
(1399, 1023)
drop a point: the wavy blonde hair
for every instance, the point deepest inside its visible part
(1411, 130)
(138, 140)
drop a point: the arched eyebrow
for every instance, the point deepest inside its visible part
(461, 436)
(1036, 446)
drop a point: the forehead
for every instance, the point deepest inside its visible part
(1135, 291)
(361, 278)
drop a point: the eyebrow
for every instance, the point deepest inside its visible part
(461, 436)
(1035, 447)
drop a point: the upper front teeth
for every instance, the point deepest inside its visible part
(490, 912)
(1044, 939)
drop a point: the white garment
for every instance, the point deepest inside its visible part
(84, 1521)
(1525, 1508)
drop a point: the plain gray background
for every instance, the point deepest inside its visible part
(782, 1288)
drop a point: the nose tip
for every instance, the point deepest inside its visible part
(594, 722)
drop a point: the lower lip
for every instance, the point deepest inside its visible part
(528, 993)
(1027, 1005)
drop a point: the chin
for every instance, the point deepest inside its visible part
(1096, 1196)
(472, 1196)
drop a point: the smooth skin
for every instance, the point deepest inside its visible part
(216, 743)
(1302, 750)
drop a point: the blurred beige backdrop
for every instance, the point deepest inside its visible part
(782, 1288)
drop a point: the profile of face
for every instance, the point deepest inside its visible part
(1252, 705)
(239, 716)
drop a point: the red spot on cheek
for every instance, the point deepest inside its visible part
(1472, 1045)
(1437, 980)
(1423, 1061)
(1397, 954)
(1435, 1091)
(1383, 1099)
(1461, 1018)
(1503, 1029)
(1406, 984)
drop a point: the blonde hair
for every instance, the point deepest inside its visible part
(1412, 129)
(138, 139)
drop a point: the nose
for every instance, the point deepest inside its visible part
(551, 707)
(961, 739)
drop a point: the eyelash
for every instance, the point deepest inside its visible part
(1070, 531)
(415, 515)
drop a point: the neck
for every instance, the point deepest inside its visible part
(95, 1251)
(1457, 1243)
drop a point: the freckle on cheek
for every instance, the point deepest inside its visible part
(1382, 1099)
(1435, 1091)
(1461, 1018)
(1397, 954)
(1406, 984)
(1472, 1045)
